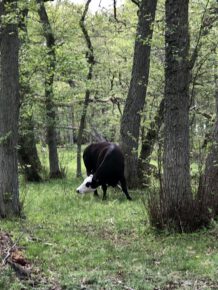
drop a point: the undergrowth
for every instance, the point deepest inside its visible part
(86, 243)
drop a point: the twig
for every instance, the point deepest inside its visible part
(4, 261)
(115, 14)
(198, 43)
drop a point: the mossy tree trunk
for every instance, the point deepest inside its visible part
(27, 151)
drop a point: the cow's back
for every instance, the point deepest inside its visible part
(93, 154)
(106, 160)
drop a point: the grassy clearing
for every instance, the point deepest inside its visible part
(86, 243)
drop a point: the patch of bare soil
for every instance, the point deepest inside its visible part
(13, 256)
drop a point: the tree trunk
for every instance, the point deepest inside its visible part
(80, 133)
(27, 151)
(91, 62)
(176, 177)
(131, 119)
(49, 79)
(9, 110)
(208, 187)
(71, 125)
(148, 142)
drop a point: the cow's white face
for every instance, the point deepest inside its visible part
(86, 185)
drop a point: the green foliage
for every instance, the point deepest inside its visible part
(4, 139)
(113, 43)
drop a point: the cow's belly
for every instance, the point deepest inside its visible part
(111, 181)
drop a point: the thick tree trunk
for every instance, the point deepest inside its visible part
(176, 177)
(49, 78)
(9, 111)
(91, 62)
(208, 187)
(27, 151)
(131, 119)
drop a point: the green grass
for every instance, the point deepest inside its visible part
(87, 243)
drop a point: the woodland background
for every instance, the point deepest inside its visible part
(142, 74)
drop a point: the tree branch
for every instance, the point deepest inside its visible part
(115, 14)
(137, 3)
(206, 25)
(89, 54)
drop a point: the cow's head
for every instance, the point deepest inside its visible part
(88, 185)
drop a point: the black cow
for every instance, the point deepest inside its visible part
(105, 167)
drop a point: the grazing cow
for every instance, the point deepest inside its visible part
(105, 167)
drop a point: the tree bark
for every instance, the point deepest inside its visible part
(71, 124)
(91, 62)
(208, 186)
(9, 110)
(176, 176)
(131, 118)
(148, 142)
(49, 103)
(27, 151)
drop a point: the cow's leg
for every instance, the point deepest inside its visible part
(96, 193)
(124, 188)
(104, 188)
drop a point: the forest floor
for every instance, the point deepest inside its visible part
(81, 242)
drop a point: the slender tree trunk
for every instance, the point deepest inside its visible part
(71, 124)
(131, 118)
(80, 133)
(27, 151)
(208, 187)
(91, 62)
(49, 103)
(148, 142)
(9, 110)
(176, 177)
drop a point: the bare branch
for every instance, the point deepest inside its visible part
(137, 3)
(89, 55)
(202, 113)
(206, 24)
(115, 9)
(115, 14)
